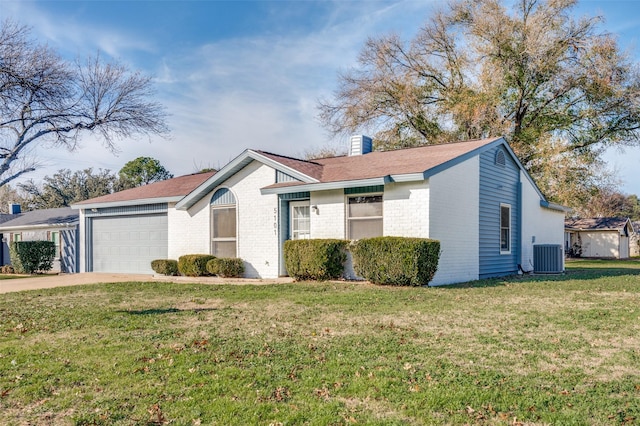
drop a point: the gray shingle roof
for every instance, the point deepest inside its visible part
(52, 217)
(597, 223)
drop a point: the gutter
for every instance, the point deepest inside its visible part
(39, 226)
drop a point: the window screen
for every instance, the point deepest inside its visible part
(364, 217)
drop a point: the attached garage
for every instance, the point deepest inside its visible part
(124, 231)
(128, 243)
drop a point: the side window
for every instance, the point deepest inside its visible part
(364, 216)
(16, 237)
(223, 224)
(505, 228)
(55, 237)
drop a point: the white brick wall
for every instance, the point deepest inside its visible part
(189, 230)
(547, 226)
(329, 220)
(257, 244)
(454, 221)
(406, 210)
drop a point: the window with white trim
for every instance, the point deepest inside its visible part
(505, 228)
(300, 220)
(55, 237)
(223, 224)
(16, 237)
(364, 216)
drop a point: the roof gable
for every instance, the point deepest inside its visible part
(303, 171)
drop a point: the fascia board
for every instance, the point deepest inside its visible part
(460, 159)
(326, 186)
(138, 202)
(409, 177)
(553, 206)
(40, 226)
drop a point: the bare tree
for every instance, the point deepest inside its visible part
(558, 88)
(45, 99)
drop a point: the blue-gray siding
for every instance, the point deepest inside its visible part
(283, 177)
(498, 184)
(223, 197)
(127, 210)
(69, 250)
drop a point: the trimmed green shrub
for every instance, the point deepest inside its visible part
(165, 266)
(29, 257)
(194, 265)
(226, 267)
(315, 259)
(396, 260)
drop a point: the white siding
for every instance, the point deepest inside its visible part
(329, 220)
(406, 210)
(257, 243)
(454, 221)
(539, 225)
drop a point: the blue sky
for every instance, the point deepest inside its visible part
(245, 74)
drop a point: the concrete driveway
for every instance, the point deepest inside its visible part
(66, 280)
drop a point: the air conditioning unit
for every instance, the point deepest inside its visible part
(547, 259)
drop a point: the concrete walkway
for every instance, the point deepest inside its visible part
(66, 280)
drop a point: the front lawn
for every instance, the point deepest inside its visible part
(534, 350)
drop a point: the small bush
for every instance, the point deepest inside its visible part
(396, 260)
(7, 269)
(315, 259)
(29, 257)
(194, 265)
(226, 267)
(165, 266)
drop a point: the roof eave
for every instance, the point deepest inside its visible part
(326, 186)
(40, 225)
(135, 202)
(553, 206)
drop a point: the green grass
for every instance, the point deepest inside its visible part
(529, 350)
(17, 276)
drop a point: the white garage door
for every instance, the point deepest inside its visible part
(129, 243)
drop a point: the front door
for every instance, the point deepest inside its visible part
(300, 224)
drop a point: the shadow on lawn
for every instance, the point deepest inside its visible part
(165, 311)
(587, 273)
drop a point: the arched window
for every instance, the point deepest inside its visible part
(223, 224)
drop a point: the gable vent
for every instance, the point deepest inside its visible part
(360, 145)
(500, 158)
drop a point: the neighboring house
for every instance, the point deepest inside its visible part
(635, 240)
(475, 197)
(58, 225)
(599, 237)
